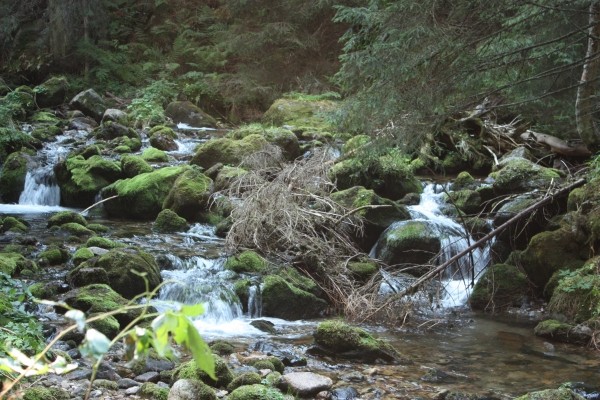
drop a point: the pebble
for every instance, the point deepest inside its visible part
(151, 376)
(127, 383)
(132, 390)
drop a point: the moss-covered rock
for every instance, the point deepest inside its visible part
(501, 286)
(247, 378)
(142, 196)
(190, 370)
(63, 217)
(301, 112)
(119, 264)
(377, 218)
(163, 138)
(84, 275)
(362, 270)
(227, 175)
(342, 340)
(247, 262)
(191, 389)
(134, 165)
(187, 113)
(389, 175)
(577, 295)
(108, 325)
(152, 391)
(227, 151)
(99, 298)
(521, 175)
(466, 200)
(115, 115)
(552, 394)
(110, 130)
(13, 224)
(98, 241)
(13, 263)
(551, 251)
(44, 393)
(256, 392)
(189, 195)
(54, 255)
(464, 180)
(281, 137)
(51, 93)
(75, 229)
(81, 255)
(81, 179)
(152, 154)
(46, 133)
(90, 103)
(12, 177)
(168, 221)
(282, 299)
(410, 242)
(222, 347)
(563, 332)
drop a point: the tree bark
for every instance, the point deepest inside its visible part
(584, 104)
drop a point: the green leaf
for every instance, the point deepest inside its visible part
(201, 352)
(95, 344)
(192, 310)
(77, 316)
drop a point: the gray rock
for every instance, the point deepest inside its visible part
(127, 383)
(186, 389)
(132, 390)
(151, 376)
(112, 114)
(90, 103)
(344, 393)
(305, 384)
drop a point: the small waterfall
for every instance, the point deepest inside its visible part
(200, 280)
(255, 301)
(458, 278)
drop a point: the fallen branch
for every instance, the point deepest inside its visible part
(98, 203)
(557, 145)
(525, 213)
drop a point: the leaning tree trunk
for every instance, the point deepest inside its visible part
(584, 104)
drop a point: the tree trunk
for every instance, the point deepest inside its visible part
(584, 104)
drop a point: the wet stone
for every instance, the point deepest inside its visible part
(127, 383)
(306, 384)
(354, 376)
(151, 376)
(344, 393)
(132, 390)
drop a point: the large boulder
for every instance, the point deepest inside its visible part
(412, 242)
(90, 103)
(389, 175)
(142, 196)
(80, 180)
(500, 287)
(119, 265)
(163, 138)
(115, 115)
(378, 218)
(281, 137)
(521, 175)
(227, 151)
(551, 251)
(110, 130)
(300, 112)
(134, 165)
(51, 93)
(187, 113)
(13, 263)
(168, 221)
(190, 194)
(283, 299)
(12, 177)
(338, 339)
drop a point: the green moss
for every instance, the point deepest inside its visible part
(341, 337)
(501, 286)
(283, 299)
(246, 262)
(152, 391)
(362, 271)
(98, 241)
(464, 180)
(355, 143)
(168, 221)
(152, 154)
(107, 325)
(227, 151)
(42, 290)
(46, 133)
(164, 130)
(256, 392)
(52, 92)
(466, 200)
(63, 217)
(247, 378)
(76, 229)
(147, 192)
(13, 263)
(44, 117)
(301, 112)
(96, 298)
(263, 364)
(577, 295)
(106, 384)
(222, 348)
(54, 255)
(43, 393)
(122, 149)
(12, 177)
(190, 370)
(521, 175)
(98, 228)
(134, 165)
(81, 255)
(281, 137)
(190, 194)
(12, 224)
(227, 175)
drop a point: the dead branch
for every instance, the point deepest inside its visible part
(84, 212)
(557, 145)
